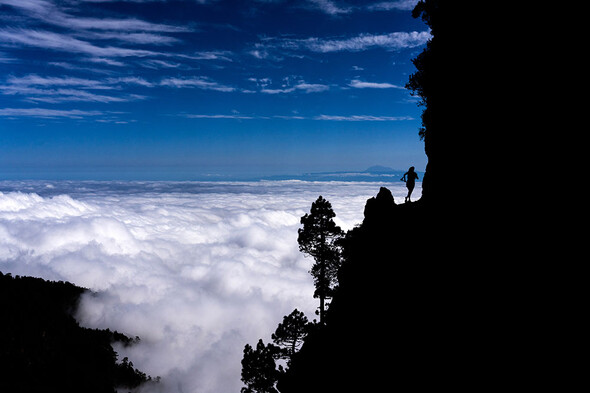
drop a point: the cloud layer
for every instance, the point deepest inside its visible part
(195, 269)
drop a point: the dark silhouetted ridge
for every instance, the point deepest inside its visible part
(44, 349)
(381, 322)
(433, 294)
(409, 312)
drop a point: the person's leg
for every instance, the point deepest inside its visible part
(410, 189)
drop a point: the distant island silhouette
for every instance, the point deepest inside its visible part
(375, 173)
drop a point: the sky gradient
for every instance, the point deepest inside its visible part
(179, 90)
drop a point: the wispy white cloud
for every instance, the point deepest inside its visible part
(56, 41)
(130, 80)
(6, 59)
(62, 95)
(36, 80)
(82, 34)
(196, 82)
(262, 51)
(74, 66)
(332, 8)
(402, 5)
(232, 116)
(157, 64)
(276, 48)
(35, 88)
(133, 1)
(391, 41)
(47, 113)
(52, 81)
(329, 7)
(358, 84)
(301, 87)
(102, 60)
(362, 118)
(354, 118)
(132, 38)
(50, 13)
(213, 55)
(31, 6)
(117, 25)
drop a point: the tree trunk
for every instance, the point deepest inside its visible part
(293, 345)
(322, 274)
(321, 309)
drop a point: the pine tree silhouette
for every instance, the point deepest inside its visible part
(319, 239)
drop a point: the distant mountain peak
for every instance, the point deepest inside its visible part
(379, 169)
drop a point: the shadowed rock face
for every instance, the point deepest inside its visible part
(418, 307)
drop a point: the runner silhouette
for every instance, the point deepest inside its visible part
(410, 178)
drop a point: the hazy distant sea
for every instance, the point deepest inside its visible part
(196, 269)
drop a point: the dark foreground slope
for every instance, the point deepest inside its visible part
(417, 309)
(44, 349)
(390, 321)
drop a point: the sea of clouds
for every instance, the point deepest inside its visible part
(196, 269)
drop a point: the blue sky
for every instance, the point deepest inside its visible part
(185, 89)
